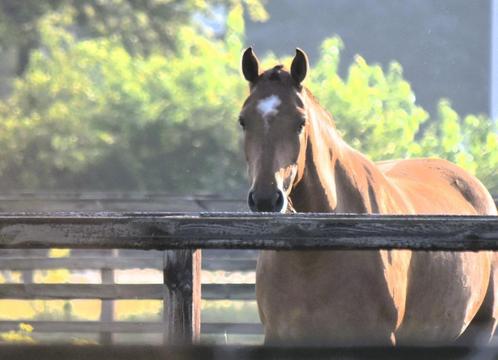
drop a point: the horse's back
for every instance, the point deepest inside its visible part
(438, 307)
(436, 186)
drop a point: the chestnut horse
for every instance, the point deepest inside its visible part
(297, 161)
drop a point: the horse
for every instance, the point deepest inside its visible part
(298, 162)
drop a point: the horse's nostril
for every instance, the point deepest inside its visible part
(279, 203)
(250, 201)
(271, 202)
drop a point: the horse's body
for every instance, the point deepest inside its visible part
(357, 297)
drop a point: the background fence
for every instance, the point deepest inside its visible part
(240, 324)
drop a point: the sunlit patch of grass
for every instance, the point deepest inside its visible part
(228, 277)
(65, 337)
(11, 277)
(49, 309)
(57, 253)
(16, 309)
(138, 276)
(137, 310)
(85, 277)
(229, 311)
(22, 335)
(85, 309)
(16, 277)
(25, 327)
(59, 276)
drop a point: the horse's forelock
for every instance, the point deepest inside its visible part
(277, 73)
(274, 73)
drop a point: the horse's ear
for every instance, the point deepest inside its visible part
(250, 65)
(299, 66)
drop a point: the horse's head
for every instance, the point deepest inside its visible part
(274, 122)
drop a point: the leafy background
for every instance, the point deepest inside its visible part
(118, 106)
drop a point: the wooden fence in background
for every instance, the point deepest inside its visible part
(108, 261)
(177, 238)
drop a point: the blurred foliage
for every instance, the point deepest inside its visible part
(140, 26)
(87, 114)
(90, 114)
(376, 112)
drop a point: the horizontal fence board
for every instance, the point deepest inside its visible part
(104, 195)
(81, 291)
(230, 352)
(247, 231)
(126, 327)
(118, 263)
(118, 291)
(103, 201)
(85, 326)
(79, 263)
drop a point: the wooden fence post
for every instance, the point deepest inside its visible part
(182, 296)
(107, 306)
(28, 275)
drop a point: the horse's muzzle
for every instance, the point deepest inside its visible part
(269, 202)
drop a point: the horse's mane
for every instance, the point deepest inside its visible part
(312, 97)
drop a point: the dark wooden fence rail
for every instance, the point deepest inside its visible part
(170, 231)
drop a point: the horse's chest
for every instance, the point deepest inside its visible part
(316, 294)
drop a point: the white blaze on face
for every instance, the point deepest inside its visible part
(268, 107)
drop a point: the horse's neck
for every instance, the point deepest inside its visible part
(336, 178)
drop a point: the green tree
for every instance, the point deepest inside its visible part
(89, 115)
(141, 26)
(376, 111)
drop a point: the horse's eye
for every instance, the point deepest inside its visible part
(301, 125)
(242, 123)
